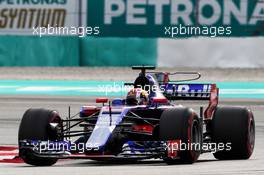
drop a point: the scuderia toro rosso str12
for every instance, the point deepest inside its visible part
(143, 125)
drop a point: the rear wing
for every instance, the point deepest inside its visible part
(194, 92)
(174, 91)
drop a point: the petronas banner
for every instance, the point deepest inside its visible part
(19, 17)
(177, 18)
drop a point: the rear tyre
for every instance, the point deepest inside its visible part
(234, 126)
(35, 125)
(182, 124)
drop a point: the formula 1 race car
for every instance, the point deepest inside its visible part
(144, 125)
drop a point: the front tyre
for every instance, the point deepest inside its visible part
(35, 125)
(182, 124)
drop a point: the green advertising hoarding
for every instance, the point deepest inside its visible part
(177, 18)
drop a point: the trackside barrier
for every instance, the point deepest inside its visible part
(74, 51)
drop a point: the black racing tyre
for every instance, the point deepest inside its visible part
(182, 124)
(35, 126)
(234, 126)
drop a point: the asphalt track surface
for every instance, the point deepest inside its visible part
(13, 107)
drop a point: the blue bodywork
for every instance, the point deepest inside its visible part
(105, 124)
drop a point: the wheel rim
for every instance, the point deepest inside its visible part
(251, 135)
(56, 133)
(196, 138)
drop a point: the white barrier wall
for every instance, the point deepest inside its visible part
(211, 52)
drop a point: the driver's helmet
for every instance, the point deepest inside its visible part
(137, 96)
